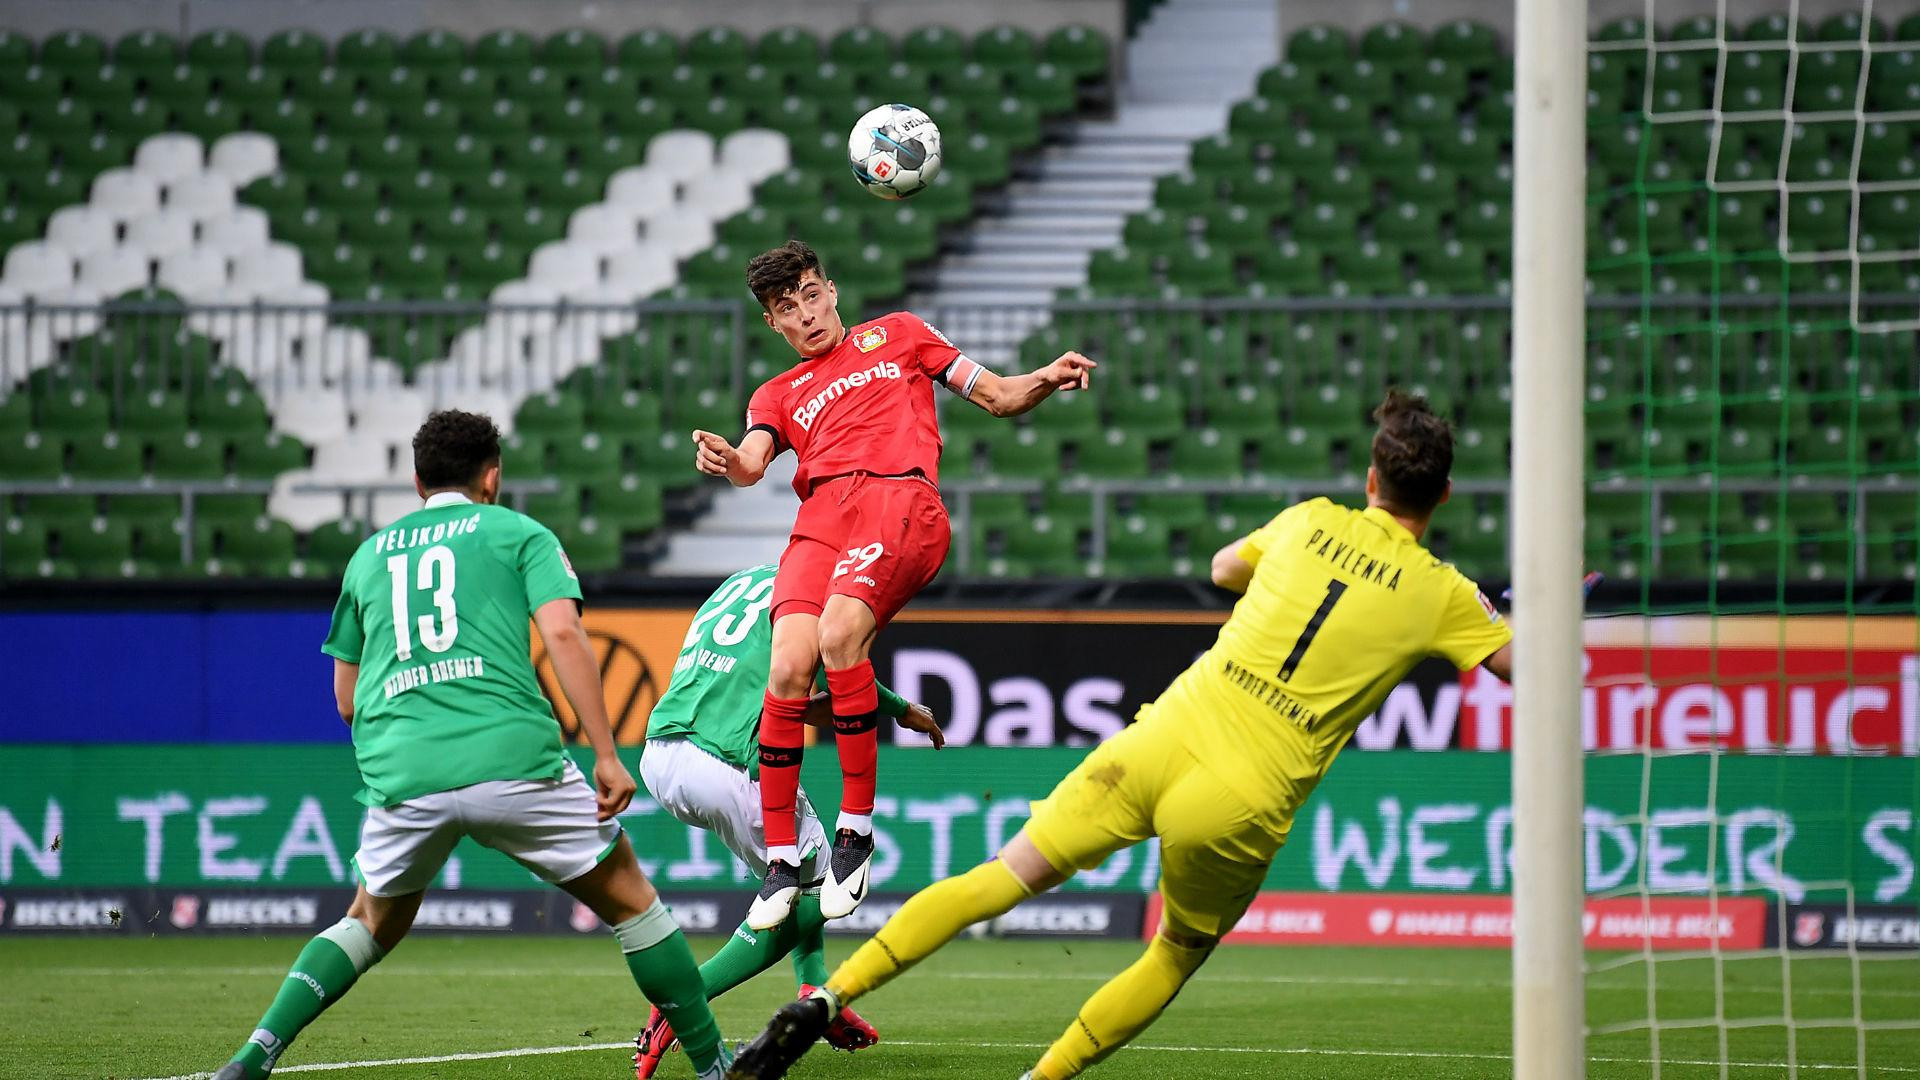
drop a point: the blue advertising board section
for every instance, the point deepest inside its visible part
(117, 677)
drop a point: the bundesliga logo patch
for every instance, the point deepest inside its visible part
(870, 339)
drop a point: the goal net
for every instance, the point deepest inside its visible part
(1753, 234)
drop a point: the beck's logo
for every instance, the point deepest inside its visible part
(186, 911)
(1809, 928)
(870, 339)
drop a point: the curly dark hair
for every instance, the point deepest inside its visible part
(773, 274)
(453, 448)
(1412, 453)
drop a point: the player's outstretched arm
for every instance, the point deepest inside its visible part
(1501, 663)
(743, 466)
(579, 675)
(1230, 571)
(346, 677)
(1011, 395)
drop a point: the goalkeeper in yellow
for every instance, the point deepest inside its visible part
(1338, 605)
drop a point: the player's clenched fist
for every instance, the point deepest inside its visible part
(613, 786)
(712, 454)
(1071, 372)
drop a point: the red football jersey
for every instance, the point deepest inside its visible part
(867, 406)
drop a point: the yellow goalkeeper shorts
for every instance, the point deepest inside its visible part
(1214, 848)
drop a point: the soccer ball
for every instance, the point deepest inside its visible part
(894, 151)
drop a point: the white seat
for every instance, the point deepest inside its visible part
(754, 154)
(26, 341)
(243, 157)
(268, 270)
(312, 415)
(196, 274)
(564, 265)
(124, 194)
(391, 506)
(160, 234)
(604, 228)
(719, 196)
(303, 510)
(646, 268)
(170, 156)
(339, 354)
(536, 317)
(201, 196)
(487, 354)
(75, 311)
(36, 267)
(680, 232)
(82, 230)
(115, 270)
(681, 154)
(605, 320)
(242, 228)
(640, 188)
(352, 458)
(394, 414)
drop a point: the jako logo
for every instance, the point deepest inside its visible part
(806, 414)
(802, 379)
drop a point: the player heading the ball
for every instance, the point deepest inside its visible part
(858, 411)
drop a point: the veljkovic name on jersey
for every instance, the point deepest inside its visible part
(395, 539)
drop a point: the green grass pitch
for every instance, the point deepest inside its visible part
(129, 1010)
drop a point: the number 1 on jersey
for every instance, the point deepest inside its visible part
(1334, 589)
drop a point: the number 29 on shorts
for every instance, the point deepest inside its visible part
(858, 559)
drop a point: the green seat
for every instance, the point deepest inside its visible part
(264, 456)
(73, 50)
(31, 455)
(576, 52)
(1368, 84)
(1082, 51)
(188, 455)
(592, 546)
(1026, 453)
(1044, 543)
(588, 458)
(294, 51)
(1150, 411)
(860, 47)
(1466, 148)
(632, 503)
(229, 410)
(154, 413)
(1118, 454)
(551, 415)
(504, 51)
(648, 50)
(1005, 47)
(1293, 451)
(1320, 45)
(788, 49)
(1472, 45)
(96, 548)
(220, 52)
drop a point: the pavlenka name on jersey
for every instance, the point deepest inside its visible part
(461, 667)
(853, 380)
(1271, 696)
(1350, 559)
(395, 539)
(705, 658)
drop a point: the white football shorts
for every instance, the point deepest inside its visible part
(551, 827)
(707, 793)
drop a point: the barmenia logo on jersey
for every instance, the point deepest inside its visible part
(870, 339)
(806, 414)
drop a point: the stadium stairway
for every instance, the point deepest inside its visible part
(1187, 62)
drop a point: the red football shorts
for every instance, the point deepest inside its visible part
(879, 539)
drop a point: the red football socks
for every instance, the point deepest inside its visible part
(780, 749)
(856, 716)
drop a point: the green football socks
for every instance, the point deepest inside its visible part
(662, 966)
(749, 952)
(324, 971)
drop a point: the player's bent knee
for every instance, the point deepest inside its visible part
(791, 674)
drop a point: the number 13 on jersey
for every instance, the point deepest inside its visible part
(434, 574)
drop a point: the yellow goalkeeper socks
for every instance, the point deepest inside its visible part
(926, 922)
(1122, 1008)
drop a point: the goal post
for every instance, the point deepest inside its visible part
(1549, 307)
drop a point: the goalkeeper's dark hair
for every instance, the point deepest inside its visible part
(453, 448)
(773, 274)
(1412, 453)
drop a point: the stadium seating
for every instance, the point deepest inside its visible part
(293, 170)
(1377, 165)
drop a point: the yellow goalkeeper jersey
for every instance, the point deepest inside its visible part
(1343, 603)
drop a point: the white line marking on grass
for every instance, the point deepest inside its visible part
(1277, 1051)
(436, 1059)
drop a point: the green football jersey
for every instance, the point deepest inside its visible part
(436, 610)
(713, 697)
